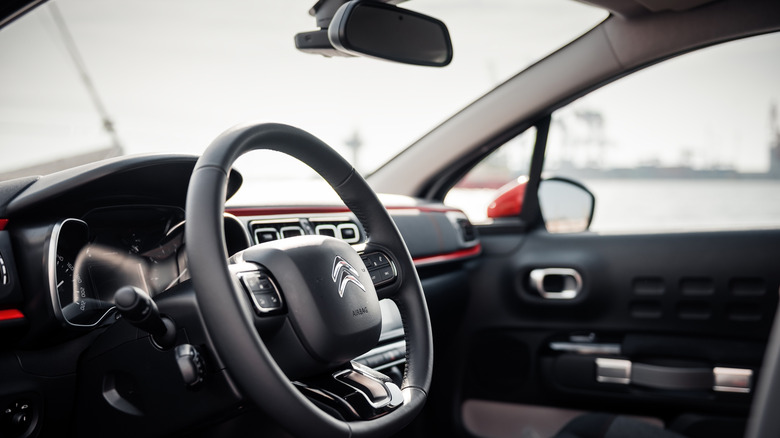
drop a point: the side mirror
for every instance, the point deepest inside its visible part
(384, 31)
(509, 201)
(567, 206)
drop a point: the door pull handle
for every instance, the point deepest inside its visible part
(556, 283)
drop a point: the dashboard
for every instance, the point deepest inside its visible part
(70, 240)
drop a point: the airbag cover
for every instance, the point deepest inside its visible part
(331, 301)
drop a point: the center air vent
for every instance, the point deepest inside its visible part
(266, 231)
(342, 228)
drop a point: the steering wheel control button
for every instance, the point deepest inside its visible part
(267, 302)
(386, 274)
(380, 268)
(264, 295)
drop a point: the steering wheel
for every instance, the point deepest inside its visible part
(331, 312)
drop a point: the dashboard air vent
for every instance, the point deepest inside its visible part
(467, 230)
(342, 228)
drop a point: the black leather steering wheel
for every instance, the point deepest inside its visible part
(226, 309)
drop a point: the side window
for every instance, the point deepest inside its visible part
(690, 144)
(506, 166)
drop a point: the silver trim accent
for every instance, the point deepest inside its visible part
(265, 230)
(343, 274)
(4, 273)
(569, 292)
(52, 274)
(738, 380)
(327, 395)
(613, 371)
(352, 227)
(586, 348)
(344, 377)
(394, 397)
(620, 371)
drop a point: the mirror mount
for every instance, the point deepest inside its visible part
(316, 41)
(324, 10)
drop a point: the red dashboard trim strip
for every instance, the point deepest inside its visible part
(457, 255)
(10, 314)
(3, 223)
(426, 209)
(264, 211)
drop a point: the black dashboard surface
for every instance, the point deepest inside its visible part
(69, 240)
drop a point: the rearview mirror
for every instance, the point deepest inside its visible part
(384, 31)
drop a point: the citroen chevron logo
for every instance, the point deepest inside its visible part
(343, 274)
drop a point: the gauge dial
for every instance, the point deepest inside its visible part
(72, 296)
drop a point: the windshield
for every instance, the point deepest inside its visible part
(82, 80)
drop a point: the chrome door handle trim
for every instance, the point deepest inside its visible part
(613, 371)
(625, 372)
(586, 348)
(732, 380)
(572, 283)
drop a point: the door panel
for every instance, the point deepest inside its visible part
(676, 306)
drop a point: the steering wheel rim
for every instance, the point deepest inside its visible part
(230, 323)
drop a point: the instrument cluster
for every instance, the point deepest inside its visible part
(93, 256)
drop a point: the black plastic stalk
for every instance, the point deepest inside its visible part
(140, 310)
